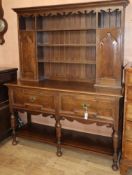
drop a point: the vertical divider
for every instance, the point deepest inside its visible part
(90, 15)
(50, 49)
(115, 22)
(36, 47)
(103, 19)
(109, 14)
(44, 55)
(59, 41)
(64, 46)
(97, 26)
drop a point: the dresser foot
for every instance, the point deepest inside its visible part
(14, 142)
(115, 155)
(59, 153)
(115, 166)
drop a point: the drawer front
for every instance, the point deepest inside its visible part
(128, 130)
(34, 99)
(129, 77)
(128, 150)
(97, 106)
(129, 111)
(72, 104)
(105, 107)
(129, 93)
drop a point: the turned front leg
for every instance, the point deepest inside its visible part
(58, 136)
(115, 147)
(13, 126)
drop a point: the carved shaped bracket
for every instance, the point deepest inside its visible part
(89, 121)
(61, 13)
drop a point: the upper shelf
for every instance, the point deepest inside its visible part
(66, 29)
(61, 61)
(67, 45)
(108, 18)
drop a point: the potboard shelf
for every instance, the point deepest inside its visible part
(70, 138)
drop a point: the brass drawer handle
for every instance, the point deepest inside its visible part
(32, 98)
(85, 107)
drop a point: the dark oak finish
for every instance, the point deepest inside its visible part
(126, 161)
(71, 69)
(57, 99)
(6, 75)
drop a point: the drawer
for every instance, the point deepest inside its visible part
(34, 99)
(73, 104)
(129, 77)
(97, 106)
(128, 150)
(129, 111)
(128, 130)
(105, 107)
(129, 93)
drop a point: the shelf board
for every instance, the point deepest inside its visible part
(81, 140)
(69, 79)
(27, 30)
(67, 45)
(58, 61)
(72, 29)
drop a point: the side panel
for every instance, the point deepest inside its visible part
(109, 62)
(28, 55)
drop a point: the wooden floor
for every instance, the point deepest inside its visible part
(33, 158)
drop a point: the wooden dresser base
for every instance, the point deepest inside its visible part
(66, 104)
(71, 60)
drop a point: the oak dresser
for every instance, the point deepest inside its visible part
(71, 64)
